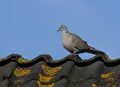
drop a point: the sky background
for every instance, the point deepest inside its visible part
(28, 27)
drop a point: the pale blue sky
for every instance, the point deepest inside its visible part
(28, 27)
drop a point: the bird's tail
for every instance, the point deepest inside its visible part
(95, 51)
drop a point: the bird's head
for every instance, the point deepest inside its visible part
(62, 28)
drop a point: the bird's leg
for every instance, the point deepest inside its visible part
(75, 54)
(75, 50)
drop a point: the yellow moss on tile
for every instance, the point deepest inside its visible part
(51, 70)
(21, 72)
(22, 60)
(44, 85)
(107, 58)
(18, 86)
(18, 83)
(45, 79)
(107, 75)
(114, 86)
(94, 85)
(111, 79)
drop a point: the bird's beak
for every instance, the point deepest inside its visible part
(58, 30)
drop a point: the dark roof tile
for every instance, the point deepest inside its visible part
(71, 71)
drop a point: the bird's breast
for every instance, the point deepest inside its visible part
(67, 43)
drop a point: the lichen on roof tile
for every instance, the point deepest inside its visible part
(70, 71)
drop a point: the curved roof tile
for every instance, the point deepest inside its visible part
(71, 71)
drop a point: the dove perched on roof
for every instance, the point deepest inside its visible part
(74, 44)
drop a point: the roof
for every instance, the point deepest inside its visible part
(71, 71)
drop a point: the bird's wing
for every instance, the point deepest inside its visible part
(78, 42)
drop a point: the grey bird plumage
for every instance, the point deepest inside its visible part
(74, 44)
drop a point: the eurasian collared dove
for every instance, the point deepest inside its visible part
(74, 44)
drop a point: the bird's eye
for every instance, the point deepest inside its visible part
(60, 27)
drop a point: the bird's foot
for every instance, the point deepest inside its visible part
(74, 54)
